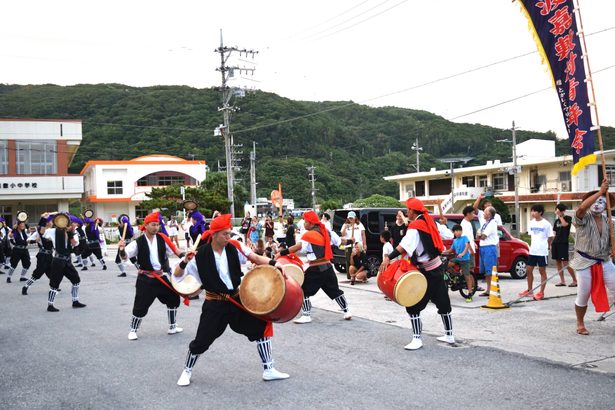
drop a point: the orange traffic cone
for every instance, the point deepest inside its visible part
(495, 300)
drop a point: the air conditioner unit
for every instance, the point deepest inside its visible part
(566, 186)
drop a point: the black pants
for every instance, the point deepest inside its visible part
(61, 267)
(148, 289)
(437, 292)
(216, 315)
(92, 248)
(81, 248)
(20, 255)
(43, 265)
(321, 277)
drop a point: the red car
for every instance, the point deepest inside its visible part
(513, 251)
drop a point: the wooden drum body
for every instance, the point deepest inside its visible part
(188, 285)
(292, 266)
(267, 293)
(403, 283)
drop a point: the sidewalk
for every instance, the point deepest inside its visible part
(540, 329)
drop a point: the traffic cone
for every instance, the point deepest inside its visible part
(495, 300)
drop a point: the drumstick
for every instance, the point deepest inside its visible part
(440, 210)
(124, 231)
(196, 243)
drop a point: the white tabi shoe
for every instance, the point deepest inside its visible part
(303, 319)
(176, 329)
(132, 336)
(447, 339)
(347, 315)
(184, 379)
(415, 344)
(273, 374)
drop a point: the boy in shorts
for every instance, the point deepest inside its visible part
(463, 253)
(541, 233)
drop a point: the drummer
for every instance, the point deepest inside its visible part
(124, 224)
(316, 244)
(152, 252)
(218, 265)
(423, 244)
(19, 239)
(45, 251)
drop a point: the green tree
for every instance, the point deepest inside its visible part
(378, 201)
(330, 204)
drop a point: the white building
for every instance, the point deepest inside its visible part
(34, 160)
(543, 179)
(113, 188)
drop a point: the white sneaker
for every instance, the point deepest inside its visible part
(347, 315)
(303, 319)
(447, 339)
(132, 336)
(273, 374)
(174, 330)
(415, 344)
(184, 379)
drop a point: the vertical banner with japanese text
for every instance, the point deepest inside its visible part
(555, 31)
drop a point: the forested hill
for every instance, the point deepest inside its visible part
(352, 146)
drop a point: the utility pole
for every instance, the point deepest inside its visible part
(415, 147)
(224, 130)
(253, 175)
(516, 178)
(311, 174)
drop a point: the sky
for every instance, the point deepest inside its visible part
(403, 53)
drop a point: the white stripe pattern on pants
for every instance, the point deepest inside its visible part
(264, 350)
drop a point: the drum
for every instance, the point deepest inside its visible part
(403, 283)
(188, 285)
(267, 293)
(292, 266)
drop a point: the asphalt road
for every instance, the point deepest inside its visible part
(81, 358)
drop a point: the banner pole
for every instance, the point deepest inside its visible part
(594, 107)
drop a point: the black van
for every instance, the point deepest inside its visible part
(374, 220)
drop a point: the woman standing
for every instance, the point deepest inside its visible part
(290, 231)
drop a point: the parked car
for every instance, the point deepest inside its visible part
(513, 251)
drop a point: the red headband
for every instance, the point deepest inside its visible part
(153, 217)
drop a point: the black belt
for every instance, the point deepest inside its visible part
(93, 242)
(45, 251)
(21, 246)
(63, 257)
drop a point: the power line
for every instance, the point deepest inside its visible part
(329, 19)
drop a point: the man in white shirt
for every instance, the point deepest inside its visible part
(488, 246)
(352, 232)
(541, 233)
(468, 231)
(218, 265)
(152, 251)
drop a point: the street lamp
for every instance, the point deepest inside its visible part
(515, 172)
(415, 147)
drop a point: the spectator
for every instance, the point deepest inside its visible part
(353, 232)
(541, 234)
(255, 230)
(245, 227)
(559, 248)
(290, 231)
(269, 232)
(325, 219)
(385, 240)
(173, 227)
(488, 235)
(463, 254)
(185, 225)
(271, 247)
(259, 247)
(443, 230)
(398, 230)
(358, 264)
(468, 232)
(484, 205)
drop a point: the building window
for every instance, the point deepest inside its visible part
(610, 174)
(114, 188)
(483, 181)
(142, 182)
(565, 181)
(36, 157)
(140, 212)
(469, 182)
(4, 161)
(170, 180)
(499, 182)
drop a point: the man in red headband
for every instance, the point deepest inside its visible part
(152, 251)
(316, 245)
(422, 243)
(218, 265)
